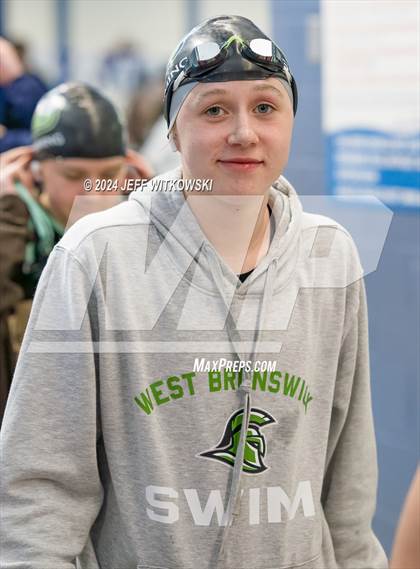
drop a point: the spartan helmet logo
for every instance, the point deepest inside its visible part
(255, 445)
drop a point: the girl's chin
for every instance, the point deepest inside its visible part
(237, 188)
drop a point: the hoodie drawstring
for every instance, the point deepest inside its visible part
(234, 502)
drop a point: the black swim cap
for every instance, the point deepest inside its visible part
(75, 121)
(238, 64)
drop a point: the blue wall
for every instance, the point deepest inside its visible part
(306, 164)
(393, 289)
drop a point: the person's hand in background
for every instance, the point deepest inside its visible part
(15, 167)
(138, 167)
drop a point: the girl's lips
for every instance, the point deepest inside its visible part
(241, 164)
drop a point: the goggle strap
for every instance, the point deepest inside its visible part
(179, 80)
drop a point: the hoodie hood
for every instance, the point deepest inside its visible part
(175, 223)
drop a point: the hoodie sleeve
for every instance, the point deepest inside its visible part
(51, 491)
(350, 481)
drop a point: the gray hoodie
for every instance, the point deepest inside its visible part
(164, 415)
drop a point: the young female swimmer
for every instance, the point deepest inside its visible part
(126, 441)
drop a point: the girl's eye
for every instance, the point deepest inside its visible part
(214, 111)
(264, 108)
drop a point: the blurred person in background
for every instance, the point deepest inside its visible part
(144, 109)
(406, 550)
(20, 91)
(77, 135)
(147, 127)
(123, 70)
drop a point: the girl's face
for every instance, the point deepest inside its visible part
(237, 133)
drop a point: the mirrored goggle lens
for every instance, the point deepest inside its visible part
(262, 47)
(206, 52)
